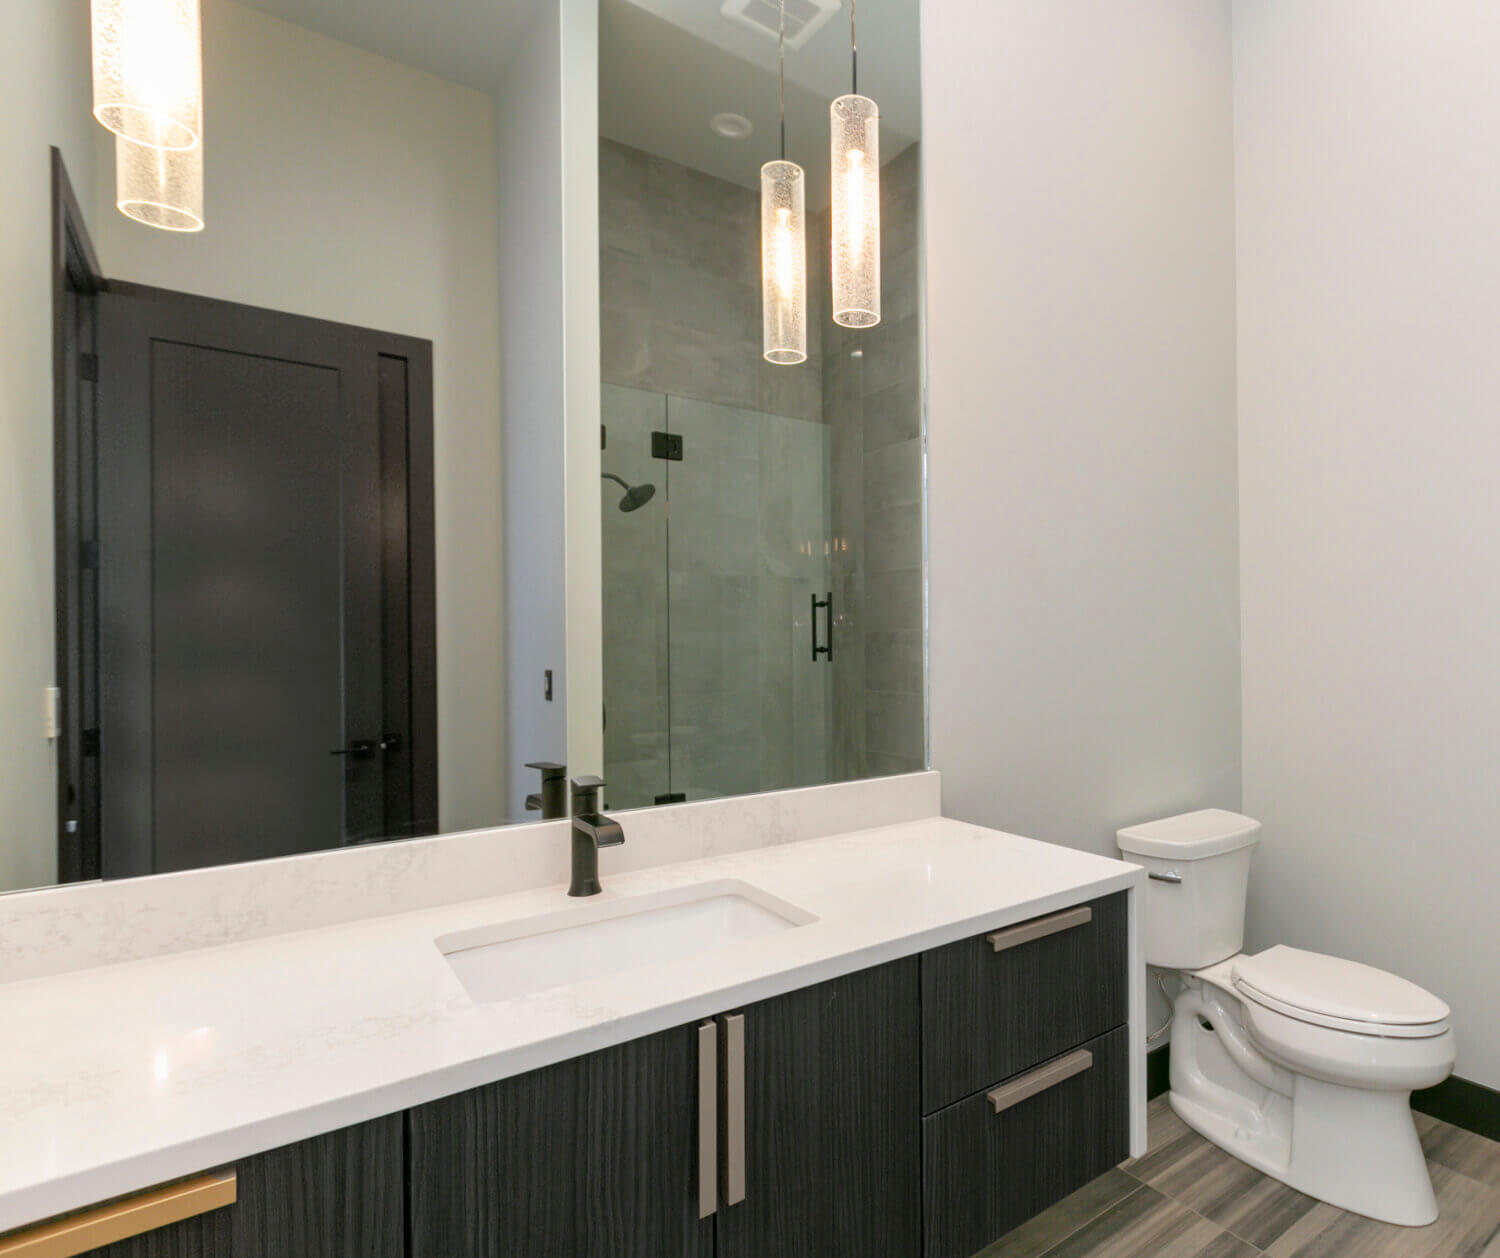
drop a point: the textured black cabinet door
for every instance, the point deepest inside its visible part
(591, 1158)
(985, 1173)
(833, 1123)
(335, 1196)
(987, 1015)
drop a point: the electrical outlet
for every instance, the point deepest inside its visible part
(52, 714)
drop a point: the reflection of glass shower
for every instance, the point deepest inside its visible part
(711, 683)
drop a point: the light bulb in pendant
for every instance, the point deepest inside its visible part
(855, 128)
(783, 240)
(160, 187)
(148, 71)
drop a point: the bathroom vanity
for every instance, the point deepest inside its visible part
(901, 1041)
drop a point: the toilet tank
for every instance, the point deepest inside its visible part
(1199, 868)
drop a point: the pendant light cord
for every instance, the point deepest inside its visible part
(781, 71)
(853, 51)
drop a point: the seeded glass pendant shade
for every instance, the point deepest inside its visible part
(160, 187)
(855, 126)
(783, 244)
(148, 71)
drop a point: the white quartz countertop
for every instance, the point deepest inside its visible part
(118, 1078)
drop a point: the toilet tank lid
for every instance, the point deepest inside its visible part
(1191, 836)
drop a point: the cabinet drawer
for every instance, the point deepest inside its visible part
(1061, 1125)
(993, 1009)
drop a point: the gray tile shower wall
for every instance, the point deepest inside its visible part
(872, 402)
(680, 289)
(706, 675)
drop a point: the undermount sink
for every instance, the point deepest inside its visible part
(535, 954)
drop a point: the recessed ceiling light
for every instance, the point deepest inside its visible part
(732, 126)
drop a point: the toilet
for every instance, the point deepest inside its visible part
(1300, 1064)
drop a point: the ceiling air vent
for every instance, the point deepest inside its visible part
(804, 18)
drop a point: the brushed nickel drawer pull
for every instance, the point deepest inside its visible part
(733, 1109)
(1040, 1079)
(1026, 932)
(121, 1220)
(708, 1119)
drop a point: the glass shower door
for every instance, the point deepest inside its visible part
(747, 552)
(636, 642)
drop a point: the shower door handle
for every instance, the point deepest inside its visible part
(827, 649)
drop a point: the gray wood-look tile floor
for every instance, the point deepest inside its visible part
(1187, 1198)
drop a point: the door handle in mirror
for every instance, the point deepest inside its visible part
(363, 749)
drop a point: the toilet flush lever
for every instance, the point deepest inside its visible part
(1172, 877)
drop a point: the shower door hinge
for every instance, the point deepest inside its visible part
(666, 445)
(88, 367)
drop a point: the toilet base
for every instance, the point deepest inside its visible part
(1354, 1148)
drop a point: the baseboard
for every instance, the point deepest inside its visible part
(1471, 1106)
(1158, 1071)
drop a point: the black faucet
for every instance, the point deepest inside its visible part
(591, 831)
(553, 799)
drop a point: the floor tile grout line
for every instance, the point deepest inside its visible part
(1093, 1218)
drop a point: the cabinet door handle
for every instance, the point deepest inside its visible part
(122, 1220)
(708, 1119)
(1040, 1079)
(732, 1108)
(1026, 932)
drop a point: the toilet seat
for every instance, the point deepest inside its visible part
(1339, 995)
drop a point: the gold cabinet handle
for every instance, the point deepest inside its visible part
(708, 1119)
(1040, 928)
(732, 1112)
(1040, 1079)
(120, 1220)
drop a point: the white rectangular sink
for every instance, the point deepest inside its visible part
(536, 954)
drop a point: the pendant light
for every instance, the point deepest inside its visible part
(855, 130)
(148, 70)
(160, 187)
(783, 242)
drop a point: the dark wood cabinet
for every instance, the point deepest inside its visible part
(341, 1195)
(987, 1172)
(832, 1122)
(591, 1158)
(993, 1009)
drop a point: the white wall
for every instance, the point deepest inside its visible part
(345, 186)
(580, 207)
(1080, 277)
(1368, 172)
(46, 105)
(531, 324)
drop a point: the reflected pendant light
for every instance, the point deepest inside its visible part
(160, 187)
(148, 71)
(783, 243)
(855, 130)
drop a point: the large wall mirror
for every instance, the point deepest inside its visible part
(292, 452)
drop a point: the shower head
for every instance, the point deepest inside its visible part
(636, 496)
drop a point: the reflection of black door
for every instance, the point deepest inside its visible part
(265, 584)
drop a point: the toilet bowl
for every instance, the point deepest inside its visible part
(1300, 1064)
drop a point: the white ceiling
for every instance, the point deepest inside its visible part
(466, 41)
(666, 67)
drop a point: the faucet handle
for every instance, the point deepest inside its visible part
(586, 794)
(551, 770)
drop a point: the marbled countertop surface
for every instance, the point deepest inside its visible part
(120, 1077)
